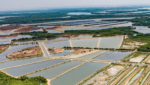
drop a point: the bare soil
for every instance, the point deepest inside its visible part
(57, 50)
(114, 70)
(29, 29)
(137, 59)
(81, 50)
(8, 36)
(3, 47)
(10, 27)
(27, 52)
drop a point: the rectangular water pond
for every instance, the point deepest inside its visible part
(91, 43)
(82, 36)
(113, 55)
(75, 76)
(55, 71)
(18, 71)
(58, 44)
(20, 62)
(14, 49)
(92, 55)
(110, 42)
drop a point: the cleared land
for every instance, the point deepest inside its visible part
(10, 27)
(3, 48)
(27, 52)
(122, 75)
(26, 29)
(8, 36)
(138, 59)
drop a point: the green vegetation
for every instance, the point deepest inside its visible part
(7, 80)
(143, 21)
(144, 48)
(104, 32)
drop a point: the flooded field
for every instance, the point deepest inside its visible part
(142, 29)
(98, 28)
(29, 68)
(82, 36)
(77, 75)
(42, 47)
(20, 62)
(79, 13)
(113, 55)
(53, 31)
(13, 49)
(65, 52)
(111, 42)
(91, 43)
(92, 55)
(74, 28)
(28, 41)
(18, 37)
(60, 38)
(58, 44)
(55, 71)
(8, 42)
(122, 25)
(37, 30)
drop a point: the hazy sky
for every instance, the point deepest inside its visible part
(35, 4)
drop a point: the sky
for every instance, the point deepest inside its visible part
(11, 5)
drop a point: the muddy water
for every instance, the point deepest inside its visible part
(43, 49)
(110, 42)
(113, 55)
(65, 52)
(55, 71)
(21, 62)
(91, 43)
(59, 44)
(77, 75)
(13, 49)
(29, 68)
(92, 55)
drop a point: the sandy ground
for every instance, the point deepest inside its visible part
(102, 77)
(137, 59)
(31, 51)
(148, 59)
(100, 83)
(114, 70)
(57, 50)
(132, 45)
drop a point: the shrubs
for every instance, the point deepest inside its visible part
(145, 48)
(24, 80)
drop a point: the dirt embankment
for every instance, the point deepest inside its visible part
(29, 29)
(57, 50)
(81, 50)
(27, 52)
(3, 47)
(10, 27)
(8, 36)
